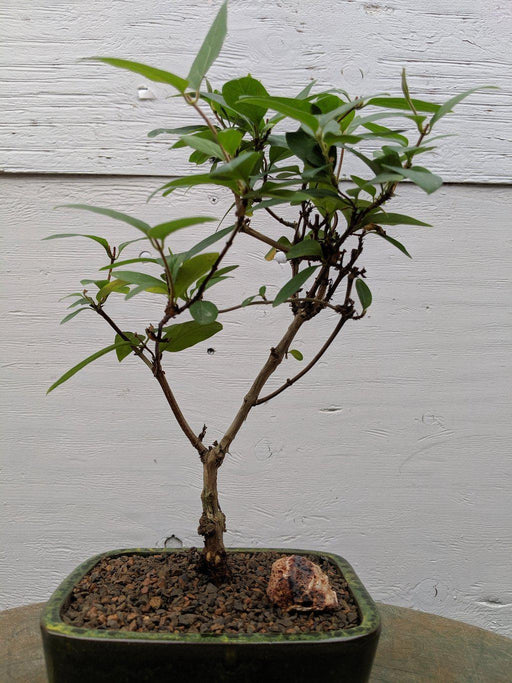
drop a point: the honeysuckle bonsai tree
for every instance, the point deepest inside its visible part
(268, 152)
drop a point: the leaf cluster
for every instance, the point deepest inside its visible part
(273, 153)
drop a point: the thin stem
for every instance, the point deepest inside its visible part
(308, 367)
(193, 103)
(238, 228)
(263, 238)
(180, 418)
(314, 300)
(162, 380)
(340, 164)
(118, 331)
(289, 224)
(275, 358)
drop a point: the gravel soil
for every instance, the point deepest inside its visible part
(168, 593)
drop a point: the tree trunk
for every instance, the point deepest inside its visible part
(212, 524)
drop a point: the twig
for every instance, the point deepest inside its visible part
(263, 238)
(162, 380)
(308, 367)
(275, 358)
(314, 300)
(289, 224)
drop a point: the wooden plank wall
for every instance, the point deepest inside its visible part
(395, 451)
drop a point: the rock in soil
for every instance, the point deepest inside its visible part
(298, 583)
(168, 593)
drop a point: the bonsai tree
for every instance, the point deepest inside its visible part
(268, 152)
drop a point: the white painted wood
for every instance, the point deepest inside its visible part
(394, 451)
(63, 115)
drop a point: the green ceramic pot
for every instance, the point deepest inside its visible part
(79, 655)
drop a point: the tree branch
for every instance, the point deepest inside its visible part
(180, 418)
(308, 367)
(263, 238)
(118, 331)
(275, 358)
(324, 303)
(159, 374)
(289, 224)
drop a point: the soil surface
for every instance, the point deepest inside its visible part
(168, 593)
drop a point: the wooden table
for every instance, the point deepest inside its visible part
(413, 647)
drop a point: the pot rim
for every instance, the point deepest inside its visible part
(52, 623)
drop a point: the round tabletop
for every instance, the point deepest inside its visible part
(413, 647)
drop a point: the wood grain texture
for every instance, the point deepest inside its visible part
(63, 115)
(413, 648)
(393, 452)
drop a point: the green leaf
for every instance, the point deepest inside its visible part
(210, 48)
(85, 362)
(296, 109)
(149, 72)
(232, 91)
(191, 270)
(183, 335)
(219, 105)
(307, 247)
(192, 180)
(382, 178)
(402, 103)
(296, 354)
(247, 301)
(262, 291)
(110, 287)
(100, 240)
(208, 241)
(71, 315)
(78, 302)
(394, 242)
(230, 139)
(137, 290)
(305, 147)
(405, 90)
(68, 296)
(364, 294)
(118, 264)
(123, 245)
(362, 184)
(163, 229)
(448, 106)
(117, 215)
(123, 351)
(293, 285)
(340, 112)
(211, 149)
(241, 167)
(182, 130)
(384, 132)
(394, 219)
(204, 312)
(142, 279)
(429, 182)
(218, 277)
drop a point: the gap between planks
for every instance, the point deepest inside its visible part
(57, 174)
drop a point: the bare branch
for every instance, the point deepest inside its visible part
(314, 300)
(118, 331)
(180, 418)
(275, 358)
(162, 380)
(289, 224)
(309, 366)
(263, 238)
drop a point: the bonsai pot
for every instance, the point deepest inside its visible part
(86, 655)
